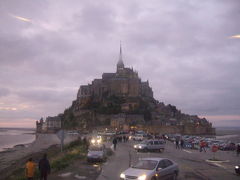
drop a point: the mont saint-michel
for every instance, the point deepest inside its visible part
(122, 101)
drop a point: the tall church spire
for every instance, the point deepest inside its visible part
(120, 55)
(120, 64)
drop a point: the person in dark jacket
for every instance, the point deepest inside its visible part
(182, 143)
(115, 143)
(238, 149)
(177, 144)
(44, 167)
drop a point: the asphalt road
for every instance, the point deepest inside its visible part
(192, 163)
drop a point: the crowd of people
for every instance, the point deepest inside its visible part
(180, 144)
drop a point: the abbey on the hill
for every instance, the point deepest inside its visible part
(123, 83)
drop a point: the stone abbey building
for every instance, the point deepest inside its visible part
(125, 82)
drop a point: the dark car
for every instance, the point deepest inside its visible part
(228, 147)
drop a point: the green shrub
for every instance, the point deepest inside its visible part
(59, 164)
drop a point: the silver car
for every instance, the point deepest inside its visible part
(152, 169)
(137, 137)
(96, 153)
(151, 145)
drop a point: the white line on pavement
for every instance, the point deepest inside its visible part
(219, 165)
(187, 151)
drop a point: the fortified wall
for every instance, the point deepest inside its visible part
(181, 129)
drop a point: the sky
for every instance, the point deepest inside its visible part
(189, 52)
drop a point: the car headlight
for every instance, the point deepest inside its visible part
(140, 147)
(122, 175)
(93, 141)
(99, 141)
(143, 177)
(236, 167)
(135, 146)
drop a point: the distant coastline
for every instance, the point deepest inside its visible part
(17, 128)
(230, 133)
(13, 138)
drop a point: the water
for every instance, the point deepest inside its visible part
(10, 137)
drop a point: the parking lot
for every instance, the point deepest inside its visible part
(192, 163)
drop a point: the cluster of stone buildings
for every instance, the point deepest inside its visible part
(121, 100)
(49, 125)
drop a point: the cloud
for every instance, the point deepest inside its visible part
(4, 92)
(182, 47)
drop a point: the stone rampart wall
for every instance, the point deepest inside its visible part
(190, 130)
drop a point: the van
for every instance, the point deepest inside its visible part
(151, 145)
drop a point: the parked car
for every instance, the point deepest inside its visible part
(237, 170)
(74, 133)
(227, 147)
(151, 145)
(96, 153)
(137, 137)
(151, 169)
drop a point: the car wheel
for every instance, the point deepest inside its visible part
(145, 150)
(174, 177)
(104, 159)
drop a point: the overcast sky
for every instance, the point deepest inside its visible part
(49, 48)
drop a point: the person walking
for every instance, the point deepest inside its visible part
(30, 169)
(124, 138)
(238, 149)
(44, 167)
(202, 145)
(177, 144)
(114, 144)
(182, 143)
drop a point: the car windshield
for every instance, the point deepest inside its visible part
(146, 164)
(95, 148)
(144, 142)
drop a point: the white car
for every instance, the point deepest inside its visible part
(151, 169)
(151, 145)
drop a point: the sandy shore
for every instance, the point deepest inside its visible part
(11, 157)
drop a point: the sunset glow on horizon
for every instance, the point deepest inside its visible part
(235, 36)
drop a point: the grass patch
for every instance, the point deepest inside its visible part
(75, 150)
(58, 160)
